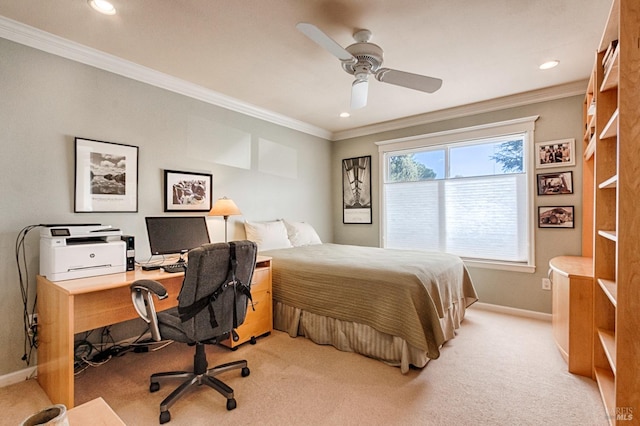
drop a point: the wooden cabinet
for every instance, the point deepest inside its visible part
(572, 319)
(612, 156)
(257, 322)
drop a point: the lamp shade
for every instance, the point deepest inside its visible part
(224, 207)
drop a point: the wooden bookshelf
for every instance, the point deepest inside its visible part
(612, 234)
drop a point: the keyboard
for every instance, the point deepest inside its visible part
(172, 268)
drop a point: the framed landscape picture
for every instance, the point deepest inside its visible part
(106, 177)
(356, 190)
(187, 191)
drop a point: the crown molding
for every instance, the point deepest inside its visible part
(541, 95)
(47, 42)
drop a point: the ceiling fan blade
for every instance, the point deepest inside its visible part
(409, 80)
(324, 41)
(359, 92)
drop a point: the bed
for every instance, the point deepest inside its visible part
(398, 306)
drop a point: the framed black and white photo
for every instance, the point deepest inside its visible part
(555, 217)
(356, 190)
(187, 191)
(106, 177)
(560, 153)
(555, 183)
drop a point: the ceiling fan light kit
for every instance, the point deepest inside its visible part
(359, 91)
(363, 59)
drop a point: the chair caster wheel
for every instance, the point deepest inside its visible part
(154, 387)
(231, 404)
(165, 416)
(253, 340)
(245, 372)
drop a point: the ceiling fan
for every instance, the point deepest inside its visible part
(363, 59)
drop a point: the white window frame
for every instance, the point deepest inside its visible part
(524, 125)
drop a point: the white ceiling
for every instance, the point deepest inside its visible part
(250, 50)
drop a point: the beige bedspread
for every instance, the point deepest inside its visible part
(399, 292)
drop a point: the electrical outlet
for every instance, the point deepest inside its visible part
(546, 284)
(33, 324)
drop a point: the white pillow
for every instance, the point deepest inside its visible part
(267, 235)
(301, 234)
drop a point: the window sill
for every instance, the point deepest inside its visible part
(502, 266)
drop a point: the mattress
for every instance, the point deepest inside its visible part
(406, 301)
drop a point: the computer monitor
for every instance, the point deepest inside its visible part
(173, 234)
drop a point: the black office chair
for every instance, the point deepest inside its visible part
(212, 303)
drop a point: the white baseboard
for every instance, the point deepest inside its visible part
(512, 311)
(17, 376)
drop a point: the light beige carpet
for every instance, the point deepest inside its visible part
(499, 370)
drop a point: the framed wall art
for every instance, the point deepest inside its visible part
(555, 183)
(356, 190)
(187, 191)
(555, 153)
(106, 177)
(555, 217)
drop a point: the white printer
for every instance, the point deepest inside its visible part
(68, 252)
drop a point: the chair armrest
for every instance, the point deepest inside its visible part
(142, 292)
(154, 286)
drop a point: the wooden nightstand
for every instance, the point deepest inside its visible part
(259, 322)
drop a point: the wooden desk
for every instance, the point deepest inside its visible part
(572, 311)
(73, 306)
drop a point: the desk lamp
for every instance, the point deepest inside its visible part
(225, 207)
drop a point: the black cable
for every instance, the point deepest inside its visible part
(28, 309)
(30, 329)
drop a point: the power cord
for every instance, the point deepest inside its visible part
(88, 354)
(28, 317)
(84, 348)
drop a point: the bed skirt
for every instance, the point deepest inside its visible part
(360, 338)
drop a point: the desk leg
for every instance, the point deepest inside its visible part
(55, 345)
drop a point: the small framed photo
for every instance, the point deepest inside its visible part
(555, 217)
(356, 190)
(106, 177)
(187, 191)
(558, 153)
(555, 183)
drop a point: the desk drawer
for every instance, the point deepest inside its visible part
(262, 305)
(260, 321)
(257, 322)
(261, 279)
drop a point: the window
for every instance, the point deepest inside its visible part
(465, 192)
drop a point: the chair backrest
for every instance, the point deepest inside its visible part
(208, 269)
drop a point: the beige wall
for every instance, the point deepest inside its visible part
(46, 101)
(559, 119)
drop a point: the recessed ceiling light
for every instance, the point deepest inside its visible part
(345, 115)
(103, 6)
(549, 64)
